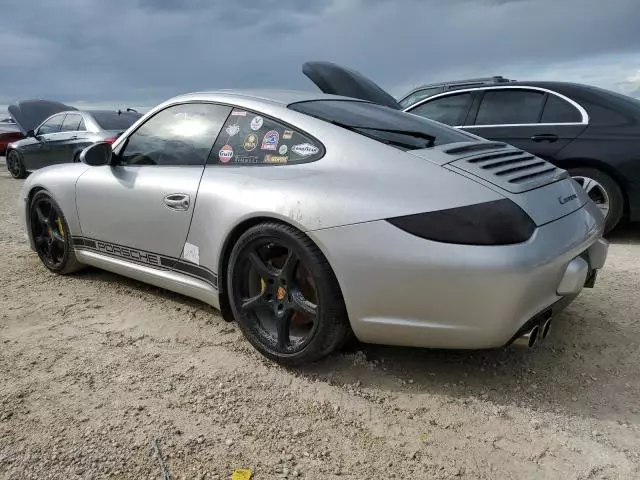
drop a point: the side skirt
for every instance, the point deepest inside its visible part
(184, 283)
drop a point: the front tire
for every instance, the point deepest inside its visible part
(604, 191)
(284, 295)
(51, 235)
(15, 165)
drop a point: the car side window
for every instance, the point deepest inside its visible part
(51, 126)
(419, 95)
(557, 110)
(450, 109)
(178, 135)
(250, 138)
(71, 122)
(508, 107)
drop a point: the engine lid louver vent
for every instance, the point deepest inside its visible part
(511, 169)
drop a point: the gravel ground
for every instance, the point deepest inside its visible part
(94, 367)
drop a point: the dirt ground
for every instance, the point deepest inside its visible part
(95, 367)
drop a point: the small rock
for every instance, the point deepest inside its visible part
(295, 473)
(289, 457)
(229, 442)
(574, 399)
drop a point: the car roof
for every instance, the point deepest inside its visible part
(274, 96)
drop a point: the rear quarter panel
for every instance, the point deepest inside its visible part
(358, 180)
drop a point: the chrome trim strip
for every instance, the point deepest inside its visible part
(580, 108)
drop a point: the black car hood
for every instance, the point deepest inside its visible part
(28, 114)
(337, 80)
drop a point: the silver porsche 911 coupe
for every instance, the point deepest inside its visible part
(310, 217)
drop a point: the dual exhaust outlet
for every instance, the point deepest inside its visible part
(533, 335)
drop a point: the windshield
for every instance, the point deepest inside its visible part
(387, 125)
(114, 121)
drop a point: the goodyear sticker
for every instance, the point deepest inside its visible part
(305, 149)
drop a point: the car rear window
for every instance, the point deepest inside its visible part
(365, 117)
(115, 121)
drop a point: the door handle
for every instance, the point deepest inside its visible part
(177, 201)
(545, 137)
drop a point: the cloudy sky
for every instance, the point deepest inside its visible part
(140, 52)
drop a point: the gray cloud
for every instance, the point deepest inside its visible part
(145, 51)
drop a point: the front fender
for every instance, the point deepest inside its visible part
(60, 182)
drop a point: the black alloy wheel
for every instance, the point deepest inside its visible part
(285, 296)
(15, 165)
(50, 235)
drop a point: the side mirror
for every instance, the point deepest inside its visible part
(97, 154)
(31, 133)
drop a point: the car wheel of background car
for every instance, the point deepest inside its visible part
(284, 295)
(51, 235)
(15, 165)
(604, 191)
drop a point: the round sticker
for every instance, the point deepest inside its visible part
(283, 149)
(256, 123)
(251, 142)
(225, 154)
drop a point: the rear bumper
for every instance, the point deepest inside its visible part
(403, 290)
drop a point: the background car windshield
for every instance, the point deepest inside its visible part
(113, 121)
(370, 115)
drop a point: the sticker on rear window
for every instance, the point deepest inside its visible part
(225, 154)
(305, 149)
(275, 159)
(250, 142)
(232, 130)
(256, 123)
(270, 140)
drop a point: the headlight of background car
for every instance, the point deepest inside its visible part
(500, 222)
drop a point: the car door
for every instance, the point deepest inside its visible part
(145, 199)
(533, 119)
(73, 137)
(35, 154)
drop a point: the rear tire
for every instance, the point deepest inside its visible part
(285, 296)
(15, 165)
(604, 191)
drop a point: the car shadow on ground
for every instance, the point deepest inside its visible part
(626, 233)
(567, 373)
(582, 368)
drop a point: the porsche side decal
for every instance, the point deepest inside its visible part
(147, 258)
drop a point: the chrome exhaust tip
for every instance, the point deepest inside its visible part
(546, 326)
(528, 339)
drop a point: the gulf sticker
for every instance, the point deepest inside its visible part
(256, 123)
(270, 140)
(251, 142)
(275, 159)
(225, 154)
(287, 134)
(239, 113)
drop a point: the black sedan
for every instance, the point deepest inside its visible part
(57, 133)
(591, 132)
